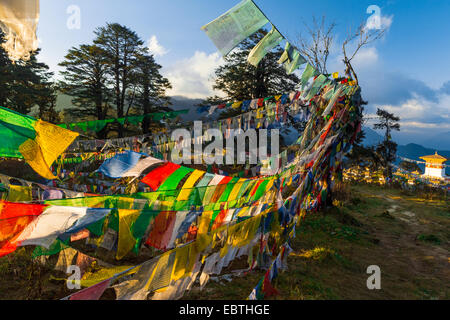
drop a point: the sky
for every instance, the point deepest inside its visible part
(406, 72)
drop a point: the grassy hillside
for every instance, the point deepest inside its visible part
(406, 234)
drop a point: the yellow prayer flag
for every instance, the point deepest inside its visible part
(19, 193)
(126, 240)
(187, 187)
(44, 149)
(236, 105)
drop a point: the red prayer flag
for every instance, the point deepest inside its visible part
(156, 177)
(14, 218)
(162, 230)
(225, 180)
(260, 102)
(91, 293)
(268, 289)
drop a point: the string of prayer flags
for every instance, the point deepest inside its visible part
(266, 44)
(234, 26)
(38, 142)
(98, 125)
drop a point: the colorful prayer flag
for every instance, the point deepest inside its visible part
(264, 46)
(234, 26)
(38, 142)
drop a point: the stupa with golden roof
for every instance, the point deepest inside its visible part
(434, 167)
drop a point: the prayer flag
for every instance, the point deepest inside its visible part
(156, 177)
(14, 218)
(264, 46)
(91, 293)
(141, 166)
(291, 58)
(53, 222)
(38, 142)
(234, 26)
(121, 163)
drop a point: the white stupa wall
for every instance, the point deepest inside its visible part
(434, 172)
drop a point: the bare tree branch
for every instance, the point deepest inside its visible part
(365, 36)
(315, 46)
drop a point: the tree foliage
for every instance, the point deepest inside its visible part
(410, 166)
(25, 85)
(240, 80)
(85, 79)
(151, 88)
(387, 149)
(114, 76)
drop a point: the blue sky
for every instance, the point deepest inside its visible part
(406, 72)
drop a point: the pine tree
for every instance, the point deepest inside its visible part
(151, 87)
(121, 47)
(85, 79)
(410, 166)
(25, 84)
(387, 149)
(5, 73)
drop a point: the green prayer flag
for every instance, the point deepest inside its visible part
(83, 126)
(174, 179)
(318, 83)
(309, 72)
(294, 61)
(15, 129)
(264, 46)
(288, 50)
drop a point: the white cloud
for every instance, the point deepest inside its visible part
(379, 22)
(155, 47)
(365, 57)
(193, 77)
(420, 115)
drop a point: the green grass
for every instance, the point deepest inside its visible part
(431, 238)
